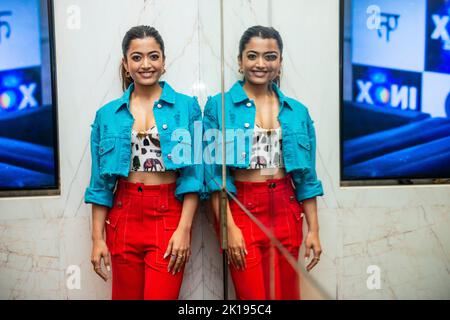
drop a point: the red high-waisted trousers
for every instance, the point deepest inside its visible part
(138, 230)
(273, 202)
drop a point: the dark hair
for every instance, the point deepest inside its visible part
(138, 32)
(264, 33)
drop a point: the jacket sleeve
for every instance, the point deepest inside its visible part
(100, 189)
(212, 166)
(191, 176)
(306, 184)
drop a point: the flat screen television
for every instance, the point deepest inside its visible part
(28, 104)
(395, 92)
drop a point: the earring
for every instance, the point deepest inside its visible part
(241, 71)
(127, 74)
(164, 71)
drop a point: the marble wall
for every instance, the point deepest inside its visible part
(402, 230)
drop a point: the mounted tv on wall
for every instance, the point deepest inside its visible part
(395, 92)
(28, 104)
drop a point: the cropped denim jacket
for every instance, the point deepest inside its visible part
(177, 117)
(298, 134)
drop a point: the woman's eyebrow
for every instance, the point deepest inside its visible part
(137, 52)
(266, 52)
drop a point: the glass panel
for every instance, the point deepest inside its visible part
(264, 138)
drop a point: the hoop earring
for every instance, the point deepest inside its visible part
(127, 74)
(164, 71)
(241, 71)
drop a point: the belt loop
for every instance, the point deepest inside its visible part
(163, 199)
(249, 200)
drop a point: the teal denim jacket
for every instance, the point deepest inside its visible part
(177, 117)
(298, 134)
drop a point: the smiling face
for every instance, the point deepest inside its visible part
(260, 61)
(144, 61)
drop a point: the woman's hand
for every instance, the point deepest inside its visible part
(312, 242)
(99, 252)
(236, 247)
(179, 249)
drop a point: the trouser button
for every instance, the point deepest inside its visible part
(140, 189)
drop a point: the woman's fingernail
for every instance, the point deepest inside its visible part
(165, 255)
(108, 268)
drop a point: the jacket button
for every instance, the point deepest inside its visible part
(101, 150)
(249, 104)
(244, 154)
(159, 105)
(169, 156)
(247, 125)
(164, 126)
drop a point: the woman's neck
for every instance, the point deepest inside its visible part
(256, 91)
(145, 93)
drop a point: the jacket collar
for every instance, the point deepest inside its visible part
(167, 95)
(238, 94)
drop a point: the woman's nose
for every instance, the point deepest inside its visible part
(260, 62)
(146, 63)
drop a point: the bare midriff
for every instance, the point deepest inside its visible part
(258, 175)
(153, 178)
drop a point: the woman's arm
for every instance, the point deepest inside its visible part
(236, 242)
(312, 241)
(179, 247)
(99, 248)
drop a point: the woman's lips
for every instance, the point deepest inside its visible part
(259, 73)
(147, 74)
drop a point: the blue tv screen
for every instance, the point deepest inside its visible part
(28, 131)
(395, 107)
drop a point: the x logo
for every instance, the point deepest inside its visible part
(440, 31)
(364, 95)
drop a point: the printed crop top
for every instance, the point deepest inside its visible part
(146, 151)
(266, 149)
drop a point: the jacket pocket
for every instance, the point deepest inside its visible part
(303, 152)
(304, 142)
(107, 155)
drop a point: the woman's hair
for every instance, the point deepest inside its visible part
(138, 32)
(264, 33)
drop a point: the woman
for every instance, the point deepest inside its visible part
(136, 142)
(279, 153)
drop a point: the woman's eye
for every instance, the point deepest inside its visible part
(251, 56)
(136, 58)
(154, 57)
(271, 57)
